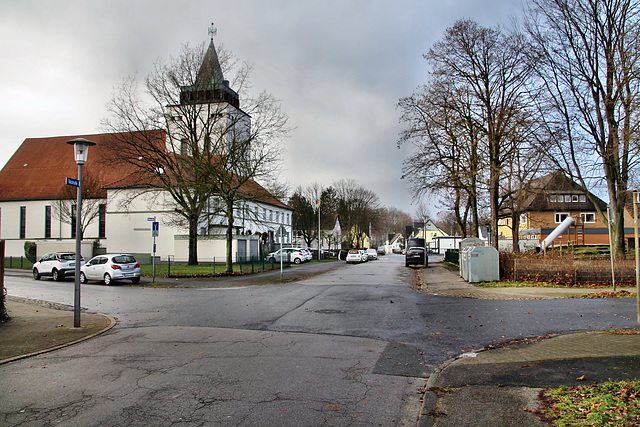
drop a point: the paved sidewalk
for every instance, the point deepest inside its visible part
(439, 279)
(36, 327)
(500, 386)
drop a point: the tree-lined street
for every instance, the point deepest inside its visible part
(350, 347)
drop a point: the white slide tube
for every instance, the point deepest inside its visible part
(557, 231)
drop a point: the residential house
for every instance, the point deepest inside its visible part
(549, 201)
(429, 232)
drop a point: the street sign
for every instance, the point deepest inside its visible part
(153, 218)
(155, 228)
(73, 182)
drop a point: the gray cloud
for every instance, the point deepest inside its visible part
(338, 67)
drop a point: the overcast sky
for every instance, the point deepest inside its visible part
(338, 67)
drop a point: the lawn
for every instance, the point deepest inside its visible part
(611, 403)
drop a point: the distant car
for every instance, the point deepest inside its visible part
(296, 255)
(381, 251)
(111, 267)
(308, 254)
(416, 256)
(372, 254)
(356, 256)
(57, 265)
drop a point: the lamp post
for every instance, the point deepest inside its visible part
(81, 148)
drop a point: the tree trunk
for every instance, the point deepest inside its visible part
(515, 231)
(193, 241)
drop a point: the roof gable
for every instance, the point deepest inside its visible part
(550, 187)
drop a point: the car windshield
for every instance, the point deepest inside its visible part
(68, 257)
(124, 259)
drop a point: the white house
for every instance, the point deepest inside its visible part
(33, 181)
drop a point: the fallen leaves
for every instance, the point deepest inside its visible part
(610, 403)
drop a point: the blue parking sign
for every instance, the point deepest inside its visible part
(155, 228)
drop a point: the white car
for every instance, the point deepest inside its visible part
(356, 256)
(111, 267)
(296, 255)
(57, 265)
(308, 253)
(372, 254)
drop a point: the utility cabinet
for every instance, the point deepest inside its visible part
(483, 264)
(466, 246)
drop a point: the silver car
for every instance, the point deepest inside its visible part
(111, 267)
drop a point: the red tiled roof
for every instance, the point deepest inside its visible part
(39, 168)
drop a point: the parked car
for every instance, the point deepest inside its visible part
(356, 256)
(308, 254)
(111, 267)
(372, 254)
(296, 255)
(381, 251)
(57, 265)
(416, 256)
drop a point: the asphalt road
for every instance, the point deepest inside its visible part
(350, 347)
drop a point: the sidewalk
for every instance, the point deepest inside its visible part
(38, 326)
(500, 386)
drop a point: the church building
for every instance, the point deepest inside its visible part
(119, 208)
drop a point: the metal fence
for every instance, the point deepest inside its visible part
(570, 270)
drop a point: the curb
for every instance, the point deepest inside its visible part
(112, 323)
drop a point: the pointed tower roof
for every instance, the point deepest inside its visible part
(210, 72)
(210, 85)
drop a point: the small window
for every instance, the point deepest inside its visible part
(23, 222)
(583, 198)
(523, 219)
(574, 198)
(588, 217)
(567, 198)
(561, 216)
(47, 222)
(552, 198)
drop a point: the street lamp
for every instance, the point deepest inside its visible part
(81, 149)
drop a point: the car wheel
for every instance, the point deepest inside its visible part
(56, 275)
(296, 261)
(36, 274)
(272, 260)
(83, 278)
(107, 279)
(135, 280)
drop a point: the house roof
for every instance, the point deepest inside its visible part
(557, 183)
(39, 168)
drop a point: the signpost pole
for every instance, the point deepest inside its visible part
(155, 229)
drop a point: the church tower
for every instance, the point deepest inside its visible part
(210, 108)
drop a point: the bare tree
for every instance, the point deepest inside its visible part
(492, 68)
(213, 150)
(357, 207)
(447, 160)
(588, 54)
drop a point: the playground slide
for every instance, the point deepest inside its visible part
(557, 231)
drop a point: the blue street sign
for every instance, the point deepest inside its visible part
(73, 182)
(155, 228)
(153, 218)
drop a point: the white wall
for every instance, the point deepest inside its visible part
(35, 226)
